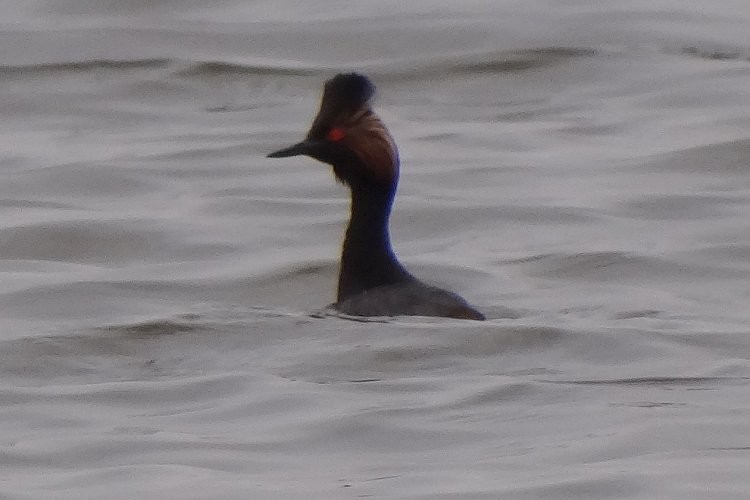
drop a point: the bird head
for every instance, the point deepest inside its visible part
(348, 135)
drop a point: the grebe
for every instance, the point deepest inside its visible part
(349, 136)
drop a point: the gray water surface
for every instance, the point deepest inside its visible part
(580, 171)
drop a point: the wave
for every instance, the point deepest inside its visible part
(656, 381)
(482, 62)
(681, 206)
(620, 267)
(221, 68)
(472, 62)
(181, 68)
(719, 158)
(439, 66)
(84, 66)
(104, 242)
(715, 54)
(188, 323)
(523, 59)
(14, 203)
(477, 62)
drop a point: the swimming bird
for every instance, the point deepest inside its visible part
(348, 135)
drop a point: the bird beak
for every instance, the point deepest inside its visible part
(301, 148)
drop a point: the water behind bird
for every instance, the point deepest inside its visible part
(580, 173)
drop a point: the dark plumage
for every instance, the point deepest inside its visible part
(343, 95)
(348, 135)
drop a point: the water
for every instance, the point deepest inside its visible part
(579, 171)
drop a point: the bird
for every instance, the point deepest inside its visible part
(350, 137)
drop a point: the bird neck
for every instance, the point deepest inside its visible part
(367, 258)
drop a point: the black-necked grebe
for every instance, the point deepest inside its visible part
(349, 136)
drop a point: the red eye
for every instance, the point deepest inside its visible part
(336, 134)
